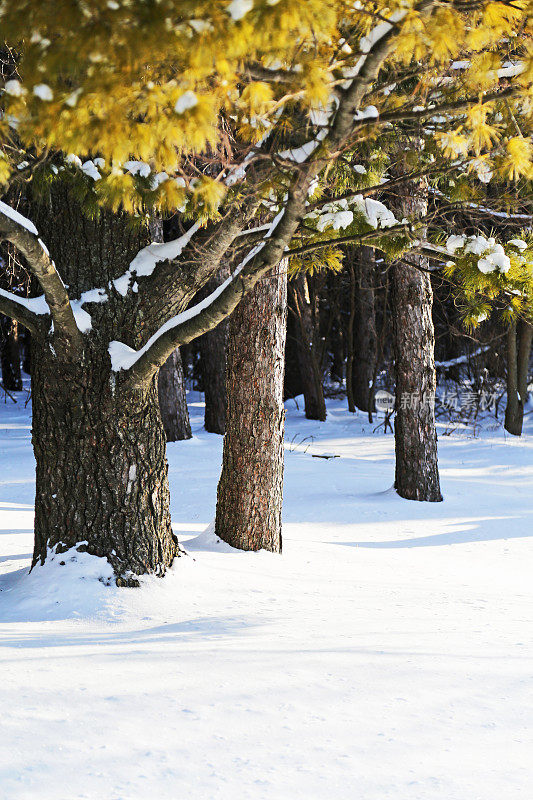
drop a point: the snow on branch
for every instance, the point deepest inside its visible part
(204, 316)
(150, 256)
(28, 311)
(22, 233)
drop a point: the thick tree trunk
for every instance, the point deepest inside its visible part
(101, 469)
(315, 405)
(251, 484)
(99, 447)
(10, 354)
(173, 400)
(417, 472)
(519, 339)
(364, 329)
(213, 367)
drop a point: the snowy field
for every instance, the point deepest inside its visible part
(386, 655)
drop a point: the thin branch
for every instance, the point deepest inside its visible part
(356, 238)
(456, 105)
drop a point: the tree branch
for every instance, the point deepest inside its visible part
(17, 308)
(18, 230)
(265, 255)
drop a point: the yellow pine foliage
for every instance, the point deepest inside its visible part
(168, 82)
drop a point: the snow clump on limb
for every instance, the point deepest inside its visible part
(454, 242)
(237, 9)
(187, 100)
(494, 259)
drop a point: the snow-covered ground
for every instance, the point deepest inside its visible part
(386, 655)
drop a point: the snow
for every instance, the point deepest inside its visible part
(123, 356)
(386, 655)
(376, 213)
(185, 102)
(302, 153)
(137, 168)
(43, 92)
(150, 256)
(7, 211)
(494, 259)
(519, 244)
(14, 88)
(453, 362)
(368, 112)
(379, 31)
(510, 70)
(36, 304)
(237, 9)
(455, 242)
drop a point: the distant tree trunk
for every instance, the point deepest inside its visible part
(364, 329)
(173, 400)
(171, 381)
(25, 340)
(349, 338)
(337, 351)
(519, 339)
(315, 405)
(417, 473)
(10, 354)
(213, 367)
(250, 489)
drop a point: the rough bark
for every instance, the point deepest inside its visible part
(519, 339)
(417, 474)
(101, 473)
(101, 469)
(213, 368)
(173, 400)
(364, 329)
(251, 484)
(10, 354)
(315, 405)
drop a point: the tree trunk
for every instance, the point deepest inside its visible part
(172, 399)
(99, 447)
(101, 469)
(251, 484)
(364, 330)
(315, 405)
(10, 354)
(213, 368)
(519, 339)
(350, 337)
(417, 473)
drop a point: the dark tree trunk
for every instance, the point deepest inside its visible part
(101, 473)
(101, 469)
(250, 489)
(25, 340)
(10, 354)
(364, 329)
(417, 473)
(213, 368)
(519, 339)
(315, 405)
(350, 353)
(173, 400)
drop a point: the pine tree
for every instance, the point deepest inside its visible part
(265, 129)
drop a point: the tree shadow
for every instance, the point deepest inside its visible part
(467, 531)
